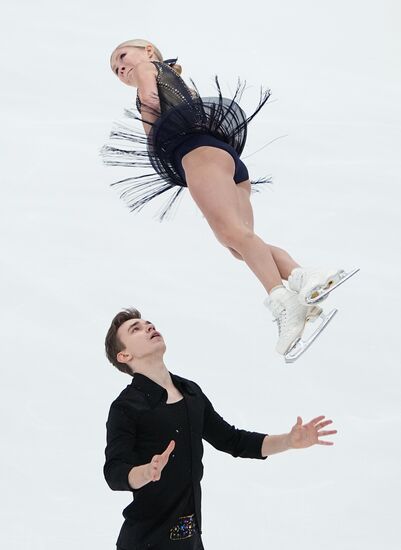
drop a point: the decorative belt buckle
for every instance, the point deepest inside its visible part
(184, 529)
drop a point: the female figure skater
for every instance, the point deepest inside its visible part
(196, 142)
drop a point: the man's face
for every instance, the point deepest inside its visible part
(140, 339)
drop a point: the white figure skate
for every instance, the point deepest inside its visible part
(291, 317)
(300, 345)
(314, 285)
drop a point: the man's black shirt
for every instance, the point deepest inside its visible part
(140, 424)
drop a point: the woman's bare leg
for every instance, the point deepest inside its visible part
(283, 260)
(209, 173)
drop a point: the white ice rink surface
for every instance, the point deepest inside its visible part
(72, 255)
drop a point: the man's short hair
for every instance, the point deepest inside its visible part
(113, 344)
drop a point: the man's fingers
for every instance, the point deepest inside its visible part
(159, 461)
(324, 442)
(169, 449)
(154, 471)
(327, 432)
(320, 425)
(317, 419)
(299, 421)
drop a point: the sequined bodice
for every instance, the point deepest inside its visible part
(171, 88)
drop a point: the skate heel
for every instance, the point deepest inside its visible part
(334, 279)
(314, 313)
(325, 288)
(320, 293)
(300, 346)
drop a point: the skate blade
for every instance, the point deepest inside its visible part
(300, 346)
(315, 296)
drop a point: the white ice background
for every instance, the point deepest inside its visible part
(72, 255)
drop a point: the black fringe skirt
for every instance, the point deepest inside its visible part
(161, 151)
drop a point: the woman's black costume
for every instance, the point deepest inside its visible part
(185, 121)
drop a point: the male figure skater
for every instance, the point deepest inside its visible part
(154, 446)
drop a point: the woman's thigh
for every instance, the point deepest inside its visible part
(209, 174)
(244, 197)
(244, 192)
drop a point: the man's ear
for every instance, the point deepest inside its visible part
(123, 357)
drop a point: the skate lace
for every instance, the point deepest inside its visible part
(281, 319)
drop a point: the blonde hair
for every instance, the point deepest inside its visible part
(140, 43)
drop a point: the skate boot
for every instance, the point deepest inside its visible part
(291, 317)
(313, 285)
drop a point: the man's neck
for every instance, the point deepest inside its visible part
(156, 371)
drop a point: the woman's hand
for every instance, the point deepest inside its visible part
(302, 436)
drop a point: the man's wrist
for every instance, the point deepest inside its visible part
(288, 441)
(273, 444)
(139, 476)
(146, 473)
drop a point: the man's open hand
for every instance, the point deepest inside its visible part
(306, 435)
(158, 462)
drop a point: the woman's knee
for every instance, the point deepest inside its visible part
(232, 235)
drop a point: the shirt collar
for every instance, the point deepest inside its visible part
(153, 391)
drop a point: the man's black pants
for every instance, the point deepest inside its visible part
(191, 543)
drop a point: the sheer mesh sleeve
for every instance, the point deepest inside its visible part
(171, 87)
